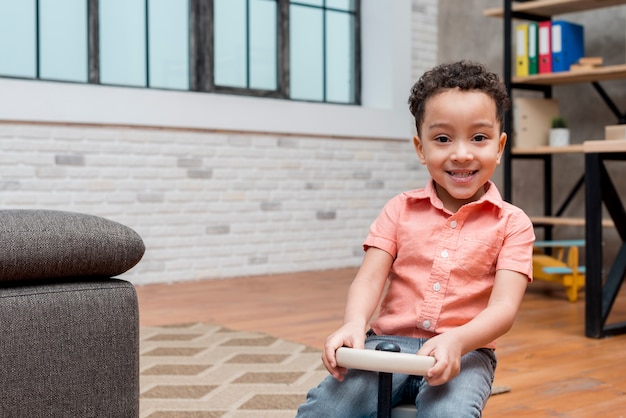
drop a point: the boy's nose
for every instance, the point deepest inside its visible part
(461, 152)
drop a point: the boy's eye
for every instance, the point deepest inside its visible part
(442, 139)
(479, 138)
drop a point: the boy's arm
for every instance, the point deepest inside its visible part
(363, 298)
(493, 322)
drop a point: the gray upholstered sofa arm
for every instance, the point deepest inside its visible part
(48, 244)
(70, 332)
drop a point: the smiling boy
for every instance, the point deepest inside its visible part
(456, 256)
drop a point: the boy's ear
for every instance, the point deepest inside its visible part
(501, 145)
(419, 149)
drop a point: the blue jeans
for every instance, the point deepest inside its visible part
(357, 396)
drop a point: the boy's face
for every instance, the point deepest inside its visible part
(460, 144)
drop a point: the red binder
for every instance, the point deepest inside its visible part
(545, 47)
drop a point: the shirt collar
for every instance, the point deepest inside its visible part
(492, 196)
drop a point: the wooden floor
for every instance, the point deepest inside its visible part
(552, 369)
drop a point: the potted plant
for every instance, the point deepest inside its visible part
(559, 133)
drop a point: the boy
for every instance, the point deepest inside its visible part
(457, 257)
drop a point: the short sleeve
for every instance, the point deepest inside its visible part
(383, 233)
(517, 250)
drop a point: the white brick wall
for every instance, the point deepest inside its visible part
(216, 205)
(212, 205)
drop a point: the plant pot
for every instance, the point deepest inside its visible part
(559, 137)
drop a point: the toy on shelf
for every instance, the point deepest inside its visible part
(561, 266)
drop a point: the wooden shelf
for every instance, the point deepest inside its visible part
(563, 221)
(599, 145)
(608, 72)
(548, 8)
(570, 149)
(607, 145)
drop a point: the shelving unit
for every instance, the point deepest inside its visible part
(541, 10)
(538, 10)
(549, 8)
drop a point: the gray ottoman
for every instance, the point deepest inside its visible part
(70, 333)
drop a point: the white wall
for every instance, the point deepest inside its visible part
(221, 186)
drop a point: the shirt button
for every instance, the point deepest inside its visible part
(453, 224)
(444, 254)
(437, 287)
(426, 324)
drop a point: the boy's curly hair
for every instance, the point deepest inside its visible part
(465, 75)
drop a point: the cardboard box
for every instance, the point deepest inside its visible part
(532, 119)
(615, 132)
(593, 61)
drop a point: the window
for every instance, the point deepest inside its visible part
(302, 50)
(246, 43)
(144, 43)
(63, 40)
(122, 46)
(18, 38)
(307, 57)
(323, 50)
(168, 44)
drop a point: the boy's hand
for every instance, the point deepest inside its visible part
(447, 353)
(349, 335)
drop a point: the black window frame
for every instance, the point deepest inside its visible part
(201, 49)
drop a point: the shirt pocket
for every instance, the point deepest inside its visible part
(479, 252)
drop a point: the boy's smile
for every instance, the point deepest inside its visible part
(461, 144)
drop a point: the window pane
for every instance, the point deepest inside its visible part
(230, 43)
(63, 40)
(123, 42)
(341, 4)
(305, 53)
(168, 36)
(340, 83)
(263, 45)
(17, 38)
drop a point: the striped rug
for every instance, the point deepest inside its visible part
(207, 371)
(201, 370)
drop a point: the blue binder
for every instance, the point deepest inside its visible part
(568, 44)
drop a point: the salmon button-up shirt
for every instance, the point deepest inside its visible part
(445, 263)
